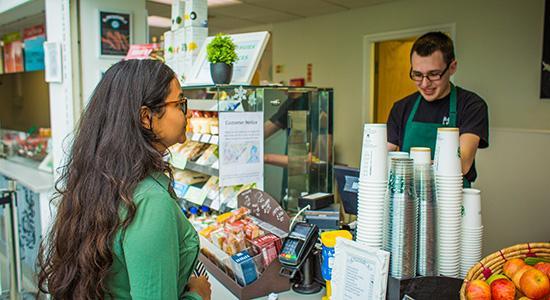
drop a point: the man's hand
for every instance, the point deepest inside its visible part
(469, 143)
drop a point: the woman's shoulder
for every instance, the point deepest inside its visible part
(153, 186)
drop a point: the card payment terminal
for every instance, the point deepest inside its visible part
(298, 243)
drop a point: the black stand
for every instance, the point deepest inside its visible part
(307, 285)
(430, 287)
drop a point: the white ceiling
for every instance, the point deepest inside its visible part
(257, 12)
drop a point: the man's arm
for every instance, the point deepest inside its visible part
(392, 147)
(270, 128)
(469, 143)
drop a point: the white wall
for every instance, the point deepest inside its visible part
(92, 63)
(499, 51)
(515, 187)
(498, 46)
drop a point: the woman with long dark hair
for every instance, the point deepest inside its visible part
(119, 232)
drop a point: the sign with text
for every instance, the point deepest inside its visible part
(241, 148)
(250, 48)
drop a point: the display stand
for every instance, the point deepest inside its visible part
(429, 287)
(271, 217)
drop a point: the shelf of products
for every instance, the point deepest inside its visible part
(202, 176)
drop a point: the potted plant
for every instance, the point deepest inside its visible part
(221, 55)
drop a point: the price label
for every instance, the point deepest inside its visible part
(178, 161)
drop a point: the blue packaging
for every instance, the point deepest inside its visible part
(244, 268)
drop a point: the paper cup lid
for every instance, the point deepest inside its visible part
(420, 149)
(447, 129)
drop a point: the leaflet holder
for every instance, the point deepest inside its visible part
(8, 202)
(271, 217)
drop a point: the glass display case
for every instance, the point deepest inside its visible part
(296, 141)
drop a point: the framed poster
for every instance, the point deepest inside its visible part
(115, 32)
(545, 65)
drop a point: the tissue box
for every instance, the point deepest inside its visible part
(178, 14)
(169, 49)
(196, 13)
(194, 38)
(178, 41)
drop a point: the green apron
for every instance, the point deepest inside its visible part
(421, 134)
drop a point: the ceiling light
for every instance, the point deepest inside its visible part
(156, 21)
(169, 2)
(211, 3)
(216, 3)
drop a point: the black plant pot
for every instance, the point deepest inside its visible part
(221, 73)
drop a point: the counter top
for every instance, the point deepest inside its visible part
(30, 177)
(221, 292)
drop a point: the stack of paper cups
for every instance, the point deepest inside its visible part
(373, 181)
(448, 177)
(421, 156)
(472, 230)
(425, 191)
(391, 154)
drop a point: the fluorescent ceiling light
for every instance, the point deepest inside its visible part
(156, 21)
(215, 3)
(169, 2)
(211, 3)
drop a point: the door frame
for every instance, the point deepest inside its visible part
(368, 59)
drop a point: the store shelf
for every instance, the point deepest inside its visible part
(212, 105)
(203, 138)
(202, 169)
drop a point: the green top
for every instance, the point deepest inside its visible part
(159, 249)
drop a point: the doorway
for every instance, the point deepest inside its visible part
(391, 75)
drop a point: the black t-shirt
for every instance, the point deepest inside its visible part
(471, 117)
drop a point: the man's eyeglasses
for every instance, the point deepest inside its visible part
(432, 76)
(181, 103)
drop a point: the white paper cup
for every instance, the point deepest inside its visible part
(447, 157)
(374, 153)
(472, 208)
(421, 155)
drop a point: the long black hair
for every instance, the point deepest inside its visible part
(112, 152)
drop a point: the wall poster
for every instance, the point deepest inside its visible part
(115, 33)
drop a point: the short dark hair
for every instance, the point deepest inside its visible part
(430, 42)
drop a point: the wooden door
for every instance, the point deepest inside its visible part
(391, 79)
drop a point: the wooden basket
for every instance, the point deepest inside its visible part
(493, 263)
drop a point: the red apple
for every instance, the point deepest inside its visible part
(544, 267)
(517, 275)
(503, 289)
(512, 266)
(535, 284)
(478, 290)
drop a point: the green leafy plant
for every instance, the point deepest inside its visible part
(221, 50)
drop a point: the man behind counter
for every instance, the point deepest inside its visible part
(413, 120)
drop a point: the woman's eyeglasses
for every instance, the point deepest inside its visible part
(181, 103)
